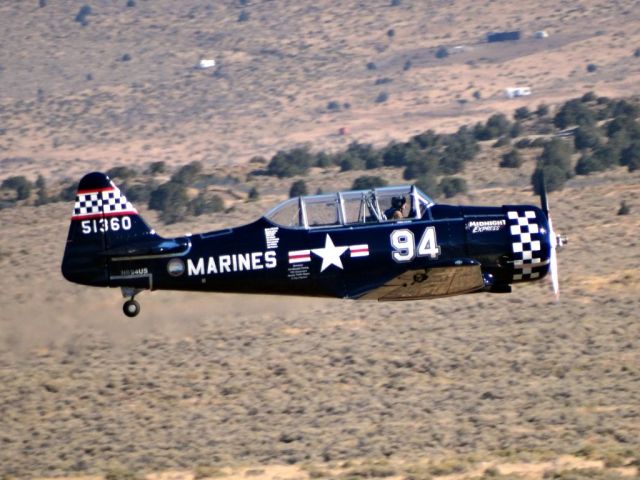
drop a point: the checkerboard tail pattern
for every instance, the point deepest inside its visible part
(527, 245)
(106, 202)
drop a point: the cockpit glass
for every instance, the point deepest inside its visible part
(287, 214)
(353, 207)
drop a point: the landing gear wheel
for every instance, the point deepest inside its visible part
(131, 308)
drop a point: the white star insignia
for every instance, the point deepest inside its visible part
(330, 254)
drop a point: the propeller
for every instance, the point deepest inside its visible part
(557, 241)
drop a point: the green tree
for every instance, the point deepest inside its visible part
(172, 200)
(254, 194)
(367, 182)
(451, 186)
(20, 184)
(511, 159)
(631, 156)
(429, 185)
(290, 163)
(42, 194)
(573, 112)
(121, 173)
(554, 165)
(442, 52)
(156, 168)
(542, 110)
(298, 189)
(586, 136)
(521, 113)
(187, 174)
(587, 164)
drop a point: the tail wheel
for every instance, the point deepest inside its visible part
(131, 308)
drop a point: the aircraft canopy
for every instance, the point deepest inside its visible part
(349, 208)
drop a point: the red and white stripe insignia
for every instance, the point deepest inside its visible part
(359, 250)
(299, 256)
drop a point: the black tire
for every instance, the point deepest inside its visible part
(131, 308)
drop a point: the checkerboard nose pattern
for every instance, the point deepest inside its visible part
(105, 201)
(526, 244)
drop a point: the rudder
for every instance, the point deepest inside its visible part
(103, 219)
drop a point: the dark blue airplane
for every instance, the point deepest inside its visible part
(391, 243)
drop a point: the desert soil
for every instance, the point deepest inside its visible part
(286, 388)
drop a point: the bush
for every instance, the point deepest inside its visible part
(523, 143)
(350, 162)
(554, 178)
(421, 163)
(157, 167)
(290, 163)
(125, 58)
(451, 186)
(212, 204)
(20, 184)
(298, 189)
(501, 142)
(244, 16)
(589, 97)
(139, 192)
(333, 106)
(511, 159)
(588, 164)
(395, 154)
(586, 137)
(624, 208)
(429, 185)
(369, 156)
(573, 112)
(254, 194)
(323, 160)
(121, 173)
(426, 139)
(554, 164)
(631, 156)
(68, 193)
(442, 52)
(407, 65)
(592, 67)
(81, 16)
(371, 66)
(187, 174)
(367, 182)
(623, 123)
(496, 126)
(171, 200)
(43, 196)
(521, 113)
(382, 97)
(542, 110)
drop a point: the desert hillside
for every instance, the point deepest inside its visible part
(123, 87)
(232, 387)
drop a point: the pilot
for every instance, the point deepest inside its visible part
(397, 208)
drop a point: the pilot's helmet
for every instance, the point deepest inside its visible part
(398, 202)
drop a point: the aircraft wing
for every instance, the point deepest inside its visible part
(434, 282)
